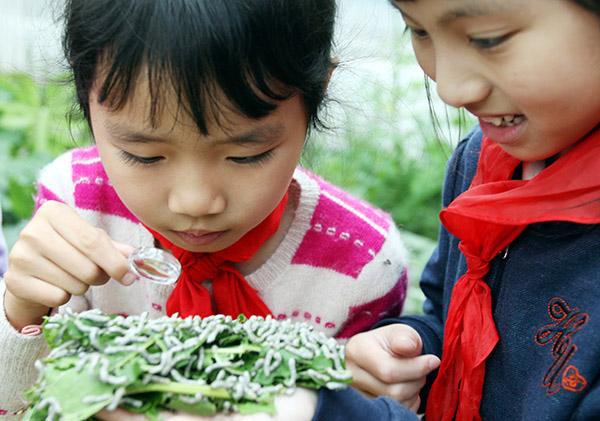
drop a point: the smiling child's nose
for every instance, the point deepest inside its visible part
(458, 84)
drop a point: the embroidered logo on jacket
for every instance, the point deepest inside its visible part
(559, 335)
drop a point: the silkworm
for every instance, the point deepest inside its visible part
(97, 398)
(301, 352)
(292, 367)
(117, 399)
(316, 375)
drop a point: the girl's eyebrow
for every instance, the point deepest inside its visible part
(262, 134)
(473, 9)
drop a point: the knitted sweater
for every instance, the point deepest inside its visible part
(3, 249)
(340, 268)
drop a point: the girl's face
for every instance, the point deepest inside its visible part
(528, 70)
(203, 193)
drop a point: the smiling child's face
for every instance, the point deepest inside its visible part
(203, 193)
(529, 70)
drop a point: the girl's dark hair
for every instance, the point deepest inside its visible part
(252, 52)
(591, 5)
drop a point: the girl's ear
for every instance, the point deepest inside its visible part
(335, 62)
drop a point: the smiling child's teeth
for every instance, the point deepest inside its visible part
(504, 121)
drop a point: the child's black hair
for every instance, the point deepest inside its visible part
(252, 52)
(591, 5)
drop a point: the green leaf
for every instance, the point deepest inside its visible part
(60, 386)
(200, 408)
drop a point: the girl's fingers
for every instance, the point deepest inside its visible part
(398, 378)
(124, 249)
(55, 225)
(401, 391)
(393, 370)
(39, 292)
(95, 244)
(413, 403)
(67, 266)
(60, 264)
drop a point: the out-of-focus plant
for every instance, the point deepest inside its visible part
(391, 149)
(33, 131)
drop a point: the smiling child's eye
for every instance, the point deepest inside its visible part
(416, 33)
(134, 159)
(488, 43)
(251, 160)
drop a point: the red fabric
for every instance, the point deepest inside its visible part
(231, 292)
(487, 218)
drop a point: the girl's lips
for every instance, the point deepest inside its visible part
(504, 135)
(199, 238)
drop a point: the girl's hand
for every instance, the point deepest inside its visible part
(387, 361)
(58, 254)
(300, 406)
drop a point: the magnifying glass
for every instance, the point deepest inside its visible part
(155, 265)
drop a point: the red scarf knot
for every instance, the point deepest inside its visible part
(231, 293)
(487, 218)
(198, 266)
(477, 267)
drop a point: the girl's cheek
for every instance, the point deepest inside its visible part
(426, 60)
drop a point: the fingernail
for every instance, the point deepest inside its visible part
(433, 363)
(128, 279)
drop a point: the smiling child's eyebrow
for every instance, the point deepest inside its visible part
(262, 134)
(473, 9)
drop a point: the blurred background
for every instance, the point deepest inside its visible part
(381, 143)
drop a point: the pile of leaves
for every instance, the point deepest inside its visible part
(196, 365)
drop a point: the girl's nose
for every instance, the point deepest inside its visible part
(196, 195)
(458, 82)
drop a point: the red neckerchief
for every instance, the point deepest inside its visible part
(487, 218)
(231, 292)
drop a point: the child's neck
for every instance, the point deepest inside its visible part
(271, 245)
(532, 168)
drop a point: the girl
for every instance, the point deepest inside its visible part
(512, 295)
(199, 110)
(512, 288)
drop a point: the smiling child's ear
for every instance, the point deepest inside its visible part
(335, 62)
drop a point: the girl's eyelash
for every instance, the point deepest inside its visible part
(246, 160)
(252, 160)
(416, 33)
(489, 43)
(138, 160)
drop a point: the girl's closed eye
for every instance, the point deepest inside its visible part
(416, 33)
(132, 159)
(252, 160)
(488, 43)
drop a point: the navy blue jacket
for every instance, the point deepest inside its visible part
(546, 305)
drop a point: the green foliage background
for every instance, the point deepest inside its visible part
(33, 131)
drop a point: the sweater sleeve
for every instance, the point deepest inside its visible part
(18, 354)
(3, 249)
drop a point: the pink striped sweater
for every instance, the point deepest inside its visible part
(340, 268)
